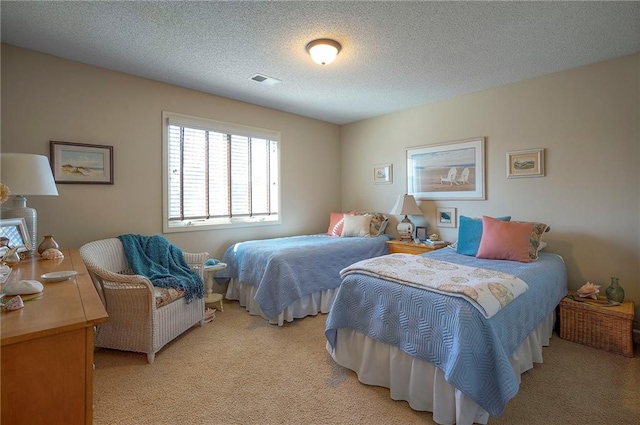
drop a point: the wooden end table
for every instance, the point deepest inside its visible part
(400, 247)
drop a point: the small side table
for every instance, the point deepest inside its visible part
(606, 328)
(212, 297)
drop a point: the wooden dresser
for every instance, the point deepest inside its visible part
(47, 347)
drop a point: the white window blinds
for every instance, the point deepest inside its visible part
(219, 174)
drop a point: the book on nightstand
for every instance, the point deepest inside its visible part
(434, 243)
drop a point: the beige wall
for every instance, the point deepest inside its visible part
(585, 118)
(47, 98)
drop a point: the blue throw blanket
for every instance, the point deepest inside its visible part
(162, 263)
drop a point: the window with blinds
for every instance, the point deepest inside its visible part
(218, 174)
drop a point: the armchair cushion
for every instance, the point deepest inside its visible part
(165, 296)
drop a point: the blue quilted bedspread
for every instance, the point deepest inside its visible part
(286, 269)
(448, 331)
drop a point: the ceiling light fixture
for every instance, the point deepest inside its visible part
(323, 50)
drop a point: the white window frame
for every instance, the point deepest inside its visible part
(170, 226)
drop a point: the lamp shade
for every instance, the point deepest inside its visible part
(323, 51)
(406, 205)
(27, 174)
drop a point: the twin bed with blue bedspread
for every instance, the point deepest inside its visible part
(439, 352)
(292, 277)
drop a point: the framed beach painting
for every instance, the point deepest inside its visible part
(446, 217)
(526, 163)
(81, 163)
(452, 170)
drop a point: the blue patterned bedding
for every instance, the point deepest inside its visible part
(448, 331)
(286, 269)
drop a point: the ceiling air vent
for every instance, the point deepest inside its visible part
(263, 79)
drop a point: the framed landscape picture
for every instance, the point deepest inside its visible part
(526, 163)
(81, 163)
(452, 170)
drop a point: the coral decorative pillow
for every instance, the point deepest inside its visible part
(336, 223)
(505, 240)
(356, 225)
(470, 234)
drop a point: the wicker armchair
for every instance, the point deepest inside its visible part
(135, 323)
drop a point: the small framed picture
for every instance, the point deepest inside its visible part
(527, 163)
(14, 232)
(445, 217)
(81, 163)
(421, 233)
(383, 173)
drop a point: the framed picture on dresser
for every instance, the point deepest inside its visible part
(13, 233)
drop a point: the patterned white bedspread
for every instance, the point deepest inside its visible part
(487, 290)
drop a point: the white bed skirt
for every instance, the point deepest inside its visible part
(420, 383)
(309, 305)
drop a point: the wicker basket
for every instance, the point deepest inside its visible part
(606, 328)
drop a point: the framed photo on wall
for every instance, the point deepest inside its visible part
(526, 163)
(383, 173)
(445, 217)
(81, 163)
(452, 170)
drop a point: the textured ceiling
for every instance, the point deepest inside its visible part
(395, 55)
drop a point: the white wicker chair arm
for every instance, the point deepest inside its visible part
(121, 278)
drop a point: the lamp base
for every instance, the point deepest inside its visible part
(19, 209)
(405, 229)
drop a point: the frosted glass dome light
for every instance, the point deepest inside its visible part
(323, 51)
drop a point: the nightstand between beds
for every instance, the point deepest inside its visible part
(400, 247)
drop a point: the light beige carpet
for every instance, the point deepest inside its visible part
(238, 369)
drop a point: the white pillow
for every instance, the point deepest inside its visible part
(356, 225)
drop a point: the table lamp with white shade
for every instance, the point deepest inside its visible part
(26, 175)
(406, 205)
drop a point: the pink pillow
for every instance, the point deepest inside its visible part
(505, 240)
(336, 223)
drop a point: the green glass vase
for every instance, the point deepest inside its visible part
(614, 291)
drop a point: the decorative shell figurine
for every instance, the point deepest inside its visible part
(52, 254)
(589, 290)
(434, 237)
